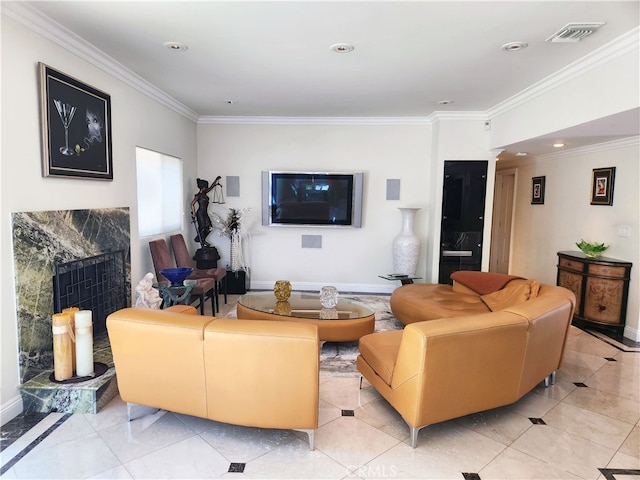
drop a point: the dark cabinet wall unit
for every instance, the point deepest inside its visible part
(463, 199)
(601, 287)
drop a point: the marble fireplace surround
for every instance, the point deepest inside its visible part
(40, 241)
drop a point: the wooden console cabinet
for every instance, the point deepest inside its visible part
(601, 287)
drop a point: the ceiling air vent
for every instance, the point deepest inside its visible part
(574, 32)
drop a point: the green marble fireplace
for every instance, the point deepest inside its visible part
(42, 240)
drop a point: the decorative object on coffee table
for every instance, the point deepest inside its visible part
(328, 314)
(282, 308)
(406, 245)
(282, 290)
(328, 297)
(176, 275)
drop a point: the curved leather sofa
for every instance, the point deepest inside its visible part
(469, 361)
(253, 373)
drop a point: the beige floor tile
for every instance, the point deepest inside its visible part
(605, 403)
(81, 457)
(514, 465)
(500, 424)
(352, 442)
(566, 451)
(188, 458)
(402, 462)
(631, 445)
(381, 415)
(145, 435)
(592, 426)
(449, 443)
(295, 461)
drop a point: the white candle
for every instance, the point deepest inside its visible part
(84, 343)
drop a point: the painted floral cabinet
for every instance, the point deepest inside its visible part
(601, 287)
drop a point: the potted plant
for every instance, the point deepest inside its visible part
(592, 250)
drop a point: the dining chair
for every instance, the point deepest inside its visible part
(184, 259)
(162, 259)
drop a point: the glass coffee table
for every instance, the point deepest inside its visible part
(348, 321)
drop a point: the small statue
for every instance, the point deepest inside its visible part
(146, 295)
(200, 216)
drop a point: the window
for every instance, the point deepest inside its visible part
(160, 199)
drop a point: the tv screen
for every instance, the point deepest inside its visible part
(318, 198)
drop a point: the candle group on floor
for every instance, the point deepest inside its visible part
(72, 343)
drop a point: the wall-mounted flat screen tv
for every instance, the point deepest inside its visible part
(312, 198)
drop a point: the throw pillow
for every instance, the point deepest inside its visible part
(515, 292)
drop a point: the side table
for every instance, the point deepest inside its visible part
(404, 279)
(174, 294)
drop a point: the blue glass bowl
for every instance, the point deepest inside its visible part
(176, 275)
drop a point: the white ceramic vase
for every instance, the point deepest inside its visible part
(406, 245)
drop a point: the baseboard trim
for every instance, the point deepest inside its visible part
(10, 409)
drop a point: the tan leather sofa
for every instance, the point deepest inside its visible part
(253, 373)
(438, 369)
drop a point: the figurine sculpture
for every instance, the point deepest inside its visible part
(200, 215)
(146, 295)
(207, 255)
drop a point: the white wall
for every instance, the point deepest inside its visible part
(540, 231)
(136, 120)
(350, 258)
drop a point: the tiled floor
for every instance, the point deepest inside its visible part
(586, 426)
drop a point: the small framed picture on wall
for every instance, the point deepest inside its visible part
(602, 186)
(537, 190)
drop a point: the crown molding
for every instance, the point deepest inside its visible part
(599, 147)
(616, 48)
(42, 25)
(469, 115)
(385, 121)
(275, 120)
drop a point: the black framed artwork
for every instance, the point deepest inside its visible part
(76, 128)
(537, 190)
(602, 180)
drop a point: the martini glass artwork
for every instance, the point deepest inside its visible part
(66, 113)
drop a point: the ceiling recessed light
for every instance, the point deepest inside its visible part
(514, 46)
(176, 46)
(342, 48)
(558, 145)
(230, 102)
(445, 102)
